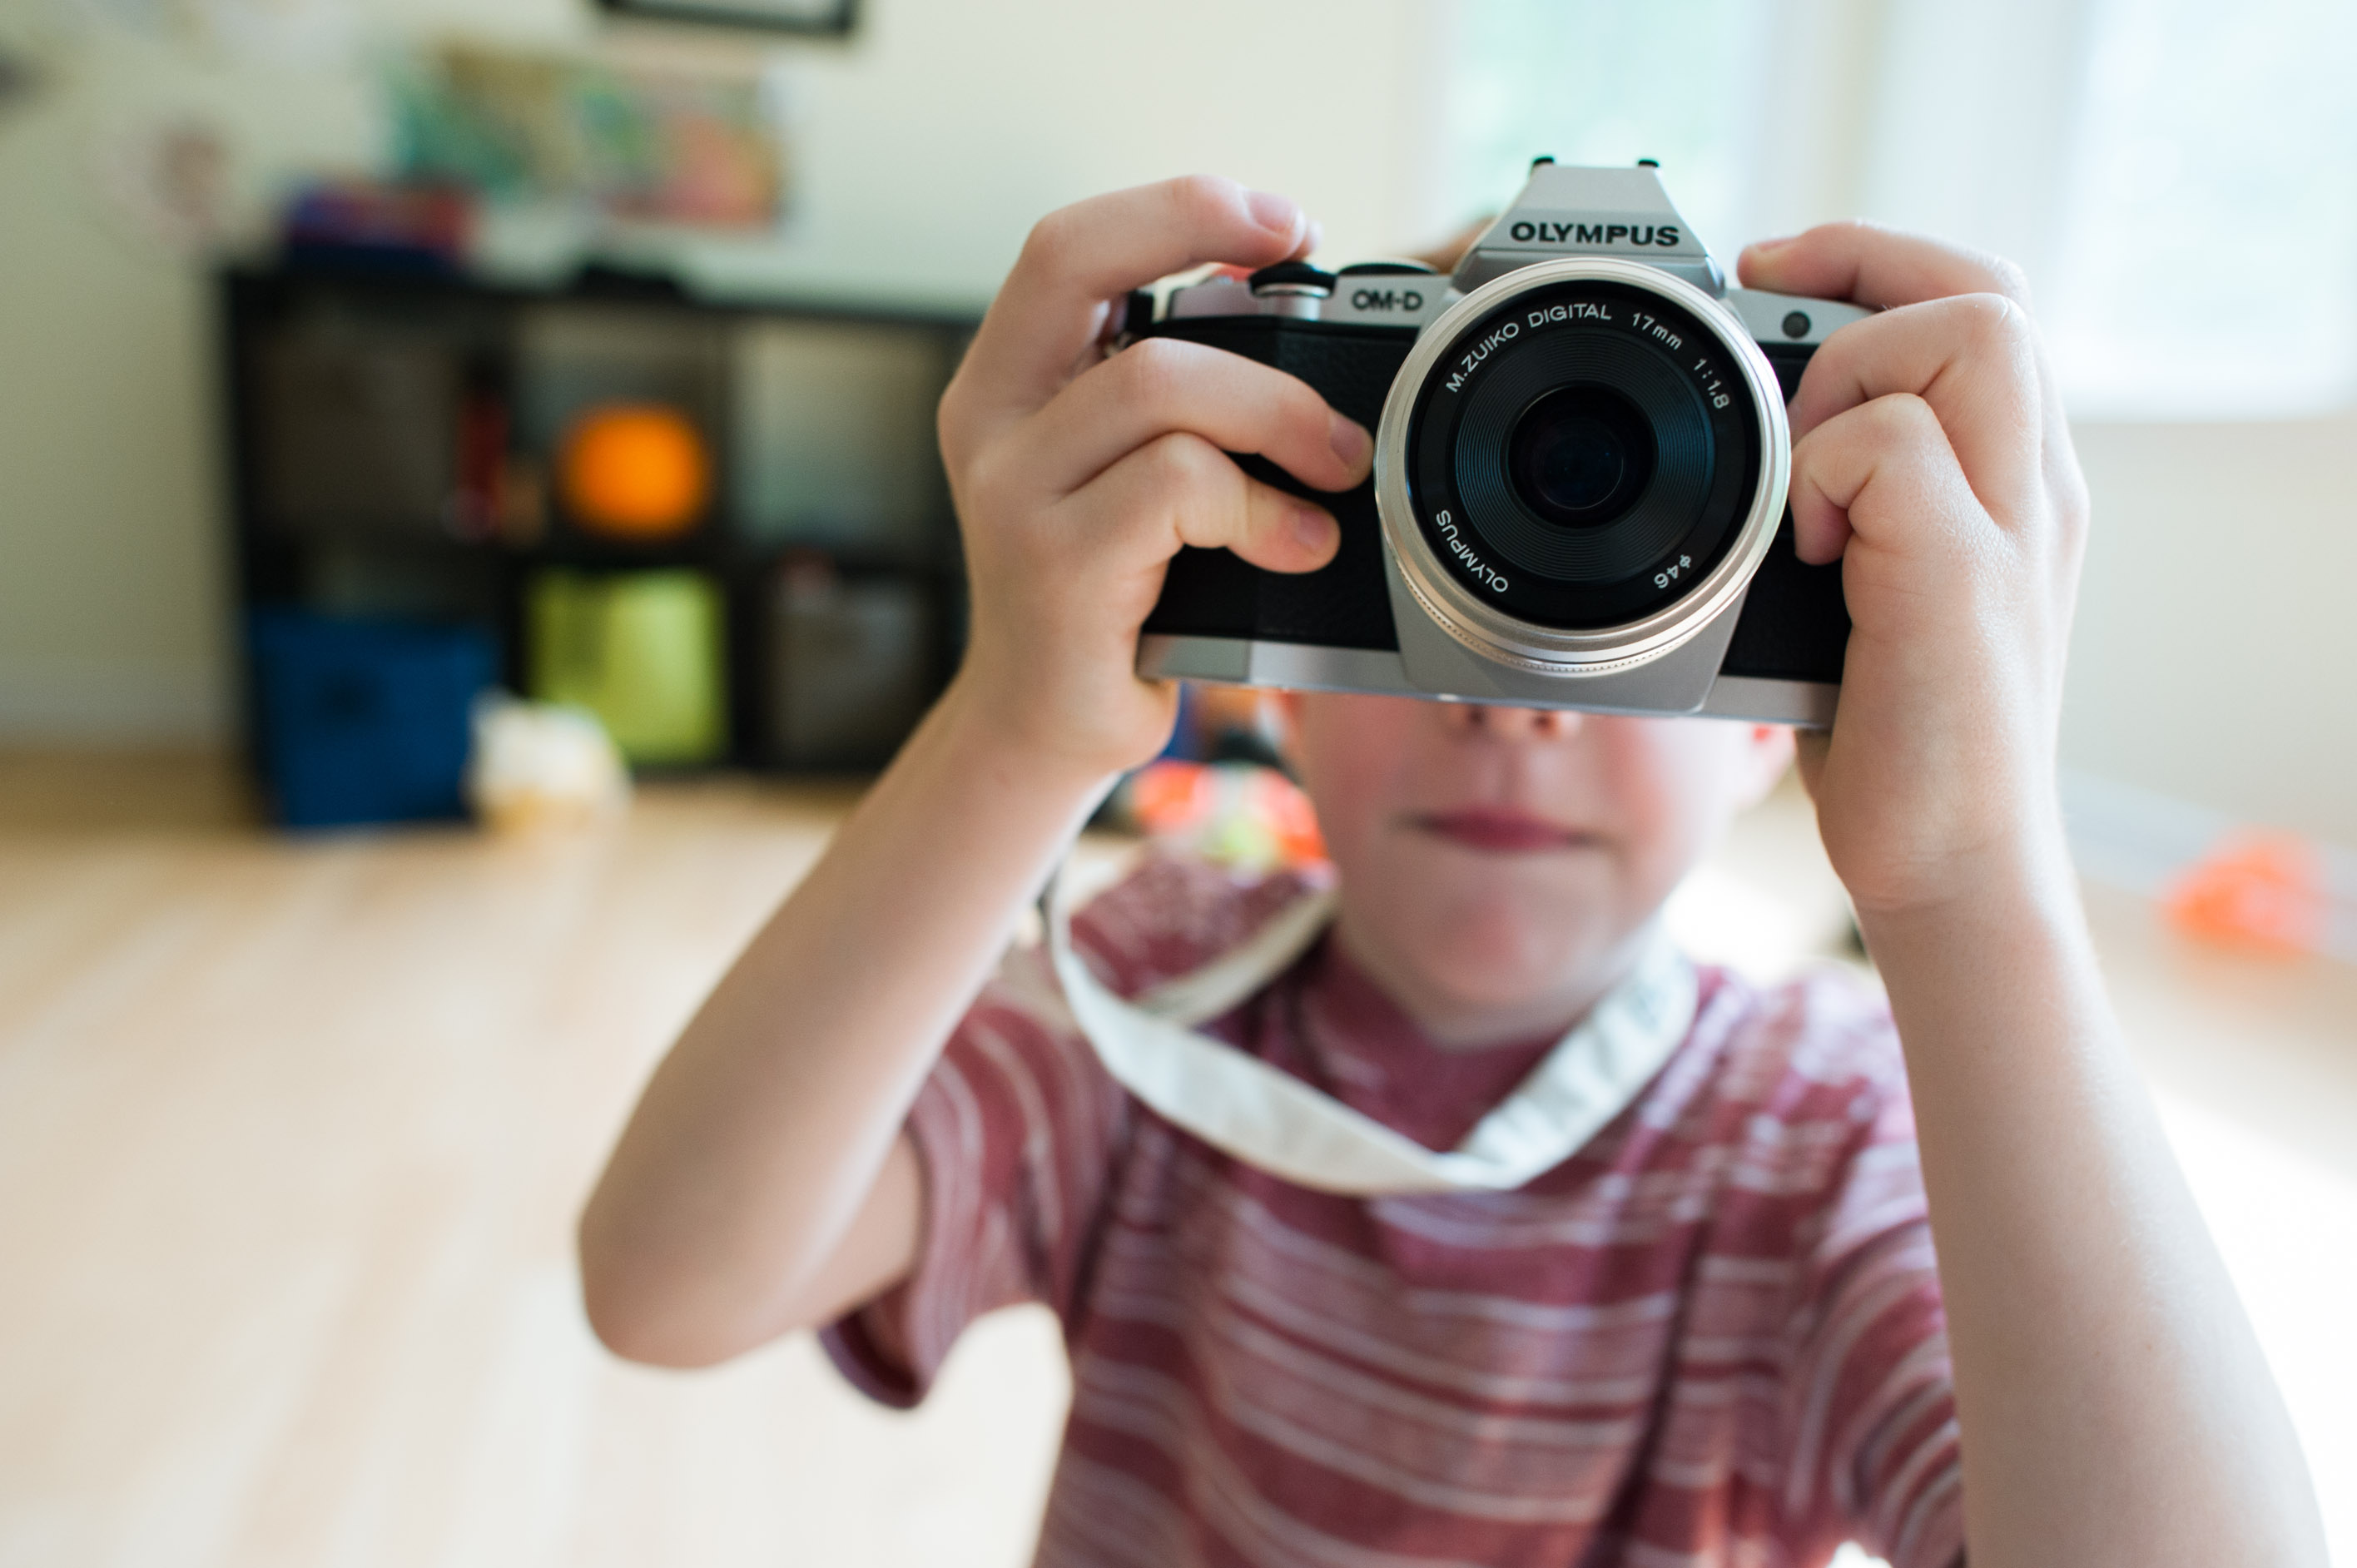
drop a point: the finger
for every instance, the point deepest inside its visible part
(1050, 311)
(1181, 490)
(1973, 358)
(1874, 265)
(1163, 385)
(1872, 472)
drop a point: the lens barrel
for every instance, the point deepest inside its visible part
(1583, 454)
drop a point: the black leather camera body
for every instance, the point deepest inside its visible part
(1579, 495)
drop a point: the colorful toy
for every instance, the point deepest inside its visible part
(635, 471)
(2257, 892)
(1236, 813)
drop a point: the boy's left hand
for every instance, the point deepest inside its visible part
(1931, 459)
(2116, 1408)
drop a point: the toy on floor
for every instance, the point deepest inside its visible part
(2256, 892)
(538, 766)
(1233, 812)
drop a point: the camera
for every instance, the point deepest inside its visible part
(1579, 494)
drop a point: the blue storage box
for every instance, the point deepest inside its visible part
(365, 721)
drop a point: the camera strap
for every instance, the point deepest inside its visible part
(1275, 1121)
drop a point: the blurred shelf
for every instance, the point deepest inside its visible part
(393, 437)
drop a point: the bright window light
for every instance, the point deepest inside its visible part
(1598, 81)
(2208, 256)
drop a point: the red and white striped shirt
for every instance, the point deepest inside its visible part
(1712, 1336)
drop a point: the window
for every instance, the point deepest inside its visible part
(1595, 81)
(2180, 177)
(2207, 263)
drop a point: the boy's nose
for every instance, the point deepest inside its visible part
(1516, 724)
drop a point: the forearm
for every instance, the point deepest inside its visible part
(763, 1130)
(722, 1218)
(2114, 1405)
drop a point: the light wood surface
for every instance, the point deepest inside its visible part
(291, 1132)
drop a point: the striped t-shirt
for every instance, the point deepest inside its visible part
(1712, 1336)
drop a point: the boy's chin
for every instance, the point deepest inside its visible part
(1511, 963)
(1498, 936)
(1502, 949)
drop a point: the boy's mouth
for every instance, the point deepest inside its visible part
(1500, 830)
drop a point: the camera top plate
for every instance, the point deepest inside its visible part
(1568, 210)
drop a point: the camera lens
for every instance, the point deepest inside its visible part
(1580, 456)
(1583, 454)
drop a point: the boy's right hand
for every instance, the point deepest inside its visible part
(1078, 476)
(766, 1181)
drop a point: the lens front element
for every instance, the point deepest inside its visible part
(1580, 456)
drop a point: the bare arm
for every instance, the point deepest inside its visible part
(762, 1184)
(2114, 1404)
(726, 1216)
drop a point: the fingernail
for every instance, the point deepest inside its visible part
(1776, 245)
(1279, 214)
(1351, 441)
(1313, 528)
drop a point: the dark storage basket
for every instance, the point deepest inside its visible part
(365, 721)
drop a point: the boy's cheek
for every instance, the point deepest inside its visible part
(1678, 781)
(1354, 756)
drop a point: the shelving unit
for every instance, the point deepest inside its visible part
(394, 439)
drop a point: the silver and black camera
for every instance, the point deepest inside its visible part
(1578, 490)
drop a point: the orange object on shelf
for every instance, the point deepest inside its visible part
(2257, 892)
(634, 471)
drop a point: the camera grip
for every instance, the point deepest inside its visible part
(1344, 603)
(1795, 623)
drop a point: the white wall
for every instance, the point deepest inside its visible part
(2214, 659)
(929, 144)
(2215, 655)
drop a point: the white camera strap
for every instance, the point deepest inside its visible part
(1271, 1119)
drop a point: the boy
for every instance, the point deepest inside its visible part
(1714, 1332)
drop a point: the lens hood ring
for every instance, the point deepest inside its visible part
(1484, 628)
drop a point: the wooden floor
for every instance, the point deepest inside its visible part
(292, 1133)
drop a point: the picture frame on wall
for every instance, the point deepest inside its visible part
(831, 18)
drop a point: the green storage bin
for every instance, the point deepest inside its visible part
(642, 650)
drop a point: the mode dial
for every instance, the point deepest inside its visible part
(1292, 278)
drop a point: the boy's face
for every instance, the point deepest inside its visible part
(1497, 864)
